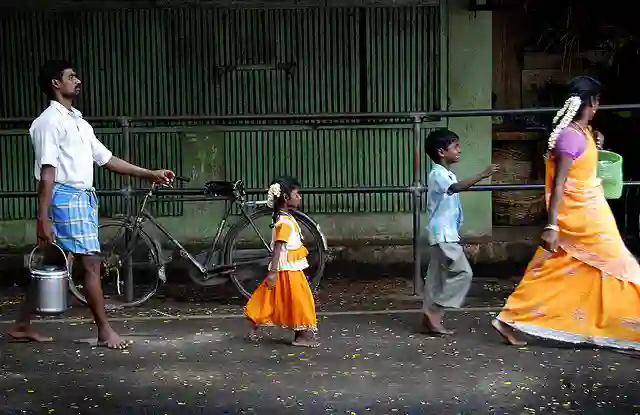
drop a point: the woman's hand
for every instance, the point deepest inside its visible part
(599, 140)
(549, 240)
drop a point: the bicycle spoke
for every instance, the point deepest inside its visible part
(114, 252)
(251, 261)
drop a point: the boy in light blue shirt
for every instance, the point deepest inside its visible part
(449, 274)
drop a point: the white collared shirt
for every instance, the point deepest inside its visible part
(63, 139)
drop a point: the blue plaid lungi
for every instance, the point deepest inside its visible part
(74, 218)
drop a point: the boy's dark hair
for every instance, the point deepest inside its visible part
(50, 70)
(439, 139)
(287, 185)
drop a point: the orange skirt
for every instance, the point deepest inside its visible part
(561, 298)
(289, 304)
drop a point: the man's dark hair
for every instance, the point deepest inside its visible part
(439, 139)
(51, 70)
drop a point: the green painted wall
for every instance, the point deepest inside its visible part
(469, 86)
(232, 61)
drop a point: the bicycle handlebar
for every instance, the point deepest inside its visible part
(169, 184)
(182, 179)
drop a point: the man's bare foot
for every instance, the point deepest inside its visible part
(28, 335)
(507, 333)
(111, 340)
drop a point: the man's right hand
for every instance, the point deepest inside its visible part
(44, 232)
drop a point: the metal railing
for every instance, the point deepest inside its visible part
(416, 189)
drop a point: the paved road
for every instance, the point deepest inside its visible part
(337, 294)
(367, 364)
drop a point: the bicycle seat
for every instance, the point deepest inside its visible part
(223, 188)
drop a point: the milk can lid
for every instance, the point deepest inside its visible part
(49, 268)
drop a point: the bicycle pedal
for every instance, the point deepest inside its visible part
(214, 279)
(221, 269)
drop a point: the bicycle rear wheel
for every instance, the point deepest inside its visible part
(145, 261)
(247, 247)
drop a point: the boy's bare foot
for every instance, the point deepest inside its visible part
(432, 322)
(507, 333)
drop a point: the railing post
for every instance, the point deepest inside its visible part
(418, 282)
(128, 265)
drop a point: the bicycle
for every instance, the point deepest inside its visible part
(206, 269)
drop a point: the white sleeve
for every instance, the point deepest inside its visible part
(101, 154)
(46, 144)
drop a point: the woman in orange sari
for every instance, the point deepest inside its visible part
(583, 284)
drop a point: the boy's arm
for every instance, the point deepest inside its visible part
(467, 183)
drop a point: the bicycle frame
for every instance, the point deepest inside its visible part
(144, 215)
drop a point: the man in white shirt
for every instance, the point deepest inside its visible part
(65, 148)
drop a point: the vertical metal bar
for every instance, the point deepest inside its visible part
(128, 265)
(418, 282)
(444, 56)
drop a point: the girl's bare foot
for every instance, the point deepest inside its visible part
(303, 339)
(312, 344)
(507, 333)
(252, 336)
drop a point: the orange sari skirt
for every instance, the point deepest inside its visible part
(564, 299)
(289, 304)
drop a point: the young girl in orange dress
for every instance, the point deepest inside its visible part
(284, 298)
(583, 284)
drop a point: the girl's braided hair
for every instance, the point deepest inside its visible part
(279, 190)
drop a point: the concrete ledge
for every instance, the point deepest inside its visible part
(485, 252)
(498, 256)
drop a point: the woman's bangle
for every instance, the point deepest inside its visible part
(554, 228)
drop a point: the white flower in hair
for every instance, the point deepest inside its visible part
(273, 194)
(563, 118)
(562, 111)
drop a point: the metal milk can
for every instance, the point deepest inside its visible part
(49, 286)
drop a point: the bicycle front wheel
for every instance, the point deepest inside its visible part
(247, 248)
(145, 263)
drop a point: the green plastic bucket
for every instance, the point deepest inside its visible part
(610, 171)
